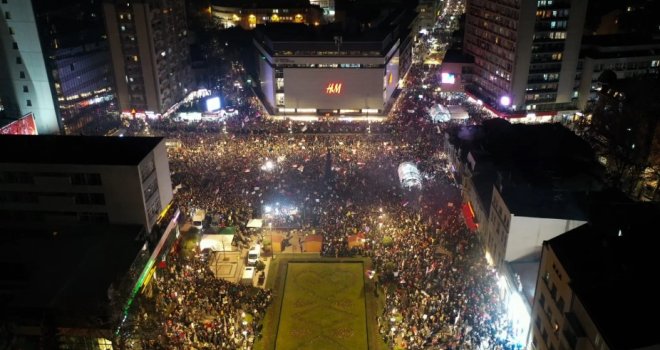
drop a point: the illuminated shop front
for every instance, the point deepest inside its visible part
(328, 77)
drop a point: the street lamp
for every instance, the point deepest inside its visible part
(272, 244)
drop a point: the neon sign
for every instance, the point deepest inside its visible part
(333, 89)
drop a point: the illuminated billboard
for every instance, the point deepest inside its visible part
(213, 104)
(24, 126)
(448, 78)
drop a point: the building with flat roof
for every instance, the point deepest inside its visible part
(592, 290)
(326, 70)
(62, 181)
(150, 52)
(25, 86)
(58, 287)
(626, 55)
(522, 185)
(249, 14)
(525, 54)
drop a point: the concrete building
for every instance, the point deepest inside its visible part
(456, 71)
(522, 185)
(592, 289)
(313, 70)
(62, 181)
(150, 53)
(79, 59)
(627, 56)
(525, 54)
(248, 15)
(427, 13)
(26, 87)
(524, 192)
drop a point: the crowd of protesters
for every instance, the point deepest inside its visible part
(192, 309)
(340, 179)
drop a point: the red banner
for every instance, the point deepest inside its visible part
(23, 126)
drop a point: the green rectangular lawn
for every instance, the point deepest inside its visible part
(323, 307)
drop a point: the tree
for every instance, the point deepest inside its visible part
(623, 129)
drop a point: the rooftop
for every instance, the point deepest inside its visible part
(64, 274)
(620, 45)
(610, 274)
(541, 170)
(457, 56)
(86, 150)
(275, 4)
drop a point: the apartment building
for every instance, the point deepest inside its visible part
(525, 54)
(150, 53)
(592, 290)
(63, 181)
(25, 86)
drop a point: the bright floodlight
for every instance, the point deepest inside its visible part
(268, 166)
(268, 209)
(213, 104)
(505, 101)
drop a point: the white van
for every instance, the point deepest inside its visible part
(253, 254)
(198, 219)
(248, 275)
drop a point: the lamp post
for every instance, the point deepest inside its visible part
(272, 244)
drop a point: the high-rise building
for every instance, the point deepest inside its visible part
(150, 54)
(25, 86)
(525, 53)
(79, 59)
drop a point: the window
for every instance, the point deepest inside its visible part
(19, 60)
(4, 1)
(14, 45)
(71, 67)
(29, 103)
(11, 30)
(7, 15)
(21, 75)
(25, 88)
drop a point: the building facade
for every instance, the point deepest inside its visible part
(61, 181)
(525, 53)
(150, 53)
(584, 270)
(79, 57)
(330, 76)
(247, 17)
(627, 56)
(26, 87)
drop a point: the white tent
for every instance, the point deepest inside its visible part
(409, 175)
(255, 223)
(217, 243)
(440, 113)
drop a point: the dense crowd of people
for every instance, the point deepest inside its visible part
(335, 179)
